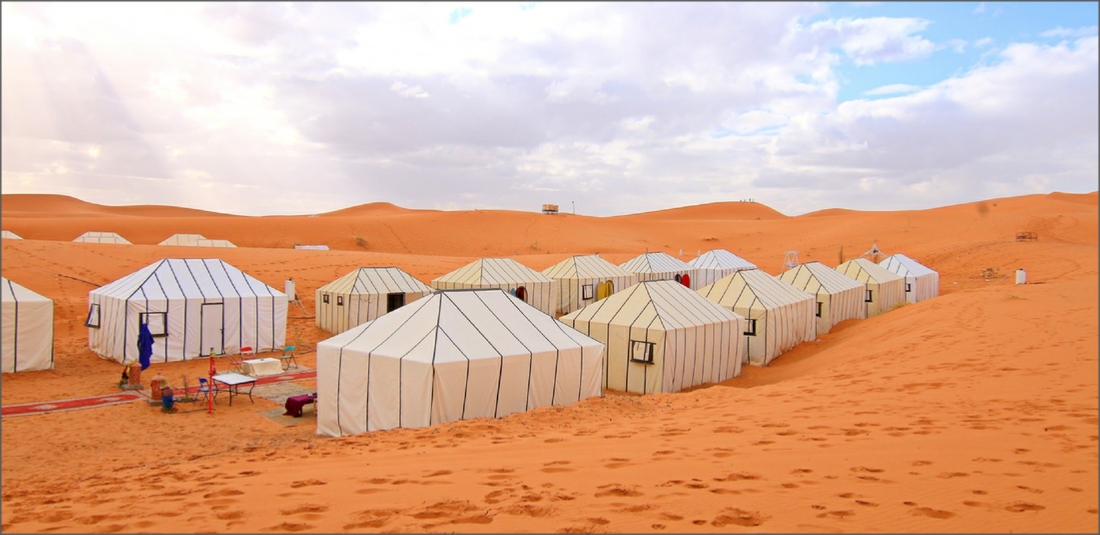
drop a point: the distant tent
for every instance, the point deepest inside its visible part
(204, 242)
(838, 297)
(717, 263)
(9, 235)
(528, 285)
(662, 337)
(182, 239)
(363, 295)
(885, 289)
(921, 283)
(101, 237)
(583, 280)
(453, 355)
(191, 306)
(27, 329)
(661, 266)
(778, 316)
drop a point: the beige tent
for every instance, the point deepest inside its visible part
(778, 316)
(528, 285)
(27, 329)
(9, 235)
(885, 289)
(921, 283)
(363, 295)
(204, 242)
(583, 280)
(662, 337)
(661, 266)
(101, 237)
(182, 239)
(838, 297)
(453, 355)
(717, 263)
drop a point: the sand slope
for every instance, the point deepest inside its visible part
(976, 411)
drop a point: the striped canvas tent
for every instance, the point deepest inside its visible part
(717, 263)
(101, 237)
(583, 280)
(778, 316)
(885, 289)
(181, 239)
(661, 266)
(206, 242)
(453, 355)
(191, 306)
(662, 337)
(363, 295)
(9, 235)
(838, 297)
(921, 283)
(27, 329)
(528, 285)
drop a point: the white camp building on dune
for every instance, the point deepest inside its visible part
(181, 239)
(191, 306)
(778, 316)
(583, 280)
(921, 283)
(838, 297)
(27, 325)
(885, 289)
(662, 337)
(9, 235)
(453, 355)
(528, 285)
(206, 242)
(717, 263)
(363, 295)
(101, 237)
(661, 266)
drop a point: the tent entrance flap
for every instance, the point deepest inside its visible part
(213, 327)
(394, 301)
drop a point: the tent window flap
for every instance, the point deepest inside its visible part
(93, 316)
(157, 322)
(324, 298)
(868, 298)
(818, 309)
(641, 351)
(586, 291)
(750, 327)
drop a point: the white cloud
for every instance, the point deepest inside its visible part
(406, 91)
(983, 42)
(893, 89)
(1070, 32)
(874, 40)
(980, 9)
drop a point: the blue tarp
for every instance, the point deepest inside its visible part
(145, 346)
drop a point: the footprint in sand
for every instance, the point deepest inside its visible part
(289, 526)
(306, 483)
(617, 490)
(934, 513)
(1020, 507)
(737, 517)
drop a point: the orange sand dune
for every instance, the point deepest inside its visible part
(717, 210)
(973, 412)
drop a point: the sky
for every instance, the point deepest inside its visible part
(602, 108)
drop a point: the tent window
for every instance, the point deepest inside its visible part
(586, 291)
(818, 309)
(868, 298)
(908, 287)
(157, 322)
(324, 298)
(641, 351)
(93, 316)
(339, 300)
(751, 328)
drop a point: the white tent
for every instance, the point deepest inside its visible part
(528, 285)
(27, 329)
(921, 283)
(662, 337)
(182, 239)
(659, 267)
(583, 280)
(838, 297)
(778, 316)
(190, 305)
(9, 235)
(205, 242)
(453, 355)
(363, 295)
(717, 263)
(101, 237)
(885, 289)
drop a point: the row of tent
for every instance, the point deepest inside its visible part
(190, 240)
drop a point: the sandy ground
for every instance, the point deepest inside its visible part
(972, 412)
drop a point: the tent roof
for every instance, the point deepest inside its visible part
(585, 267)
(675, 305)
(206, 242)
(720, 259)
(177, 278)
(11, 235)
(900, 264)
(659, 262)
(769, 291)
(832, 280)
(493, 271)
(461, 325)
(181, 239)
(876, 272)
(109, 237)
(15, 292)
(376, 280)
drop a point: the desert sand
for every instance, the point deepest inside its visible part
(972, 412)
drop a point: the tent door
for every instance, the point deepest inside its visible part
(394, 301)
(521, 293)
(605, 289)
(213, 328)
(686, 280)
